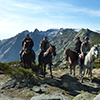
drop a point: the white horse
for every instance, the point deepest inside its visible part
(89, 61)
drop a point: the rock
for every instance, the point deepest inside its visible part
(3, 97)
(67, 81)
(84, 96)
(97, 97)
(53, 66)
(51, 82)
(64, 67)
(49, 97)
(11, 83)
(40, 89)
(32, 81)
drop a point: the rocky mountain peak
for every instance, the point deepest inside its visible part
(36, 31)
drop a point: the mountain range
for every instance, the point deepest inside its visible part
(10, 48)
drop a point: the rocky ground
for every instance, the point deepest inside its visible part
(62, 87)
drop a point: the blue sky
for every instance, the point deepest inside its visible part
(19, 15)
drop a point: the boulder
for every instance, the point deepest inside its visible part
(3, 97)
(67, 81)
(11, 83)
(97, 97)
(49, 97)
(84, 96)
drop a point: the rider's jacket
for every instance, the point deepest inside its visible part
(77, 46)
(85, 47)
(44, 45)
(29, 43)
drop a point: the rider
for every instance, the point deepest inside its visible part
(28, 46)
(44, 45)
(78, 45)
(85, 48)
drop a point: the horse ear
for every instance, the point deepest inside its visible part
(64, 48)
(50, 44)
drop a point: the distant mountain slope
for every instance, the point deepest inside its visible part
(68, 39)
(10, 48)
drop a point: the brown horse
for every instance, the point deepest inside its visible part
(72, 58)
(46, 58)
(27, 56)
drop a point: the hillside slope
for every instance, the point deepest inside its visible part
(10, 48)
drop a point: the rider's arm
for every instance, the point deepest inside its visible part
(23, 42)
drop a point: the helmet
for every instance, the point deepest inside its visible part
(78, 38)
(86, 38)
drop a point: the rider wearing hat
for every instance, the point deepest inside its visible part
(85, 47)
(78, 45)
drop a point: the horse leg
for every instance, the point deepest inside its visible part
(70, 69)
(82, 75)
(91, 74)
(74, 70)
(44, 70)
(25, 65)
(41, 69)
(51, 71)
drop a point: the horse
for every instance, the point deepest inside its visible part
(27, 56)
(89, 62)
(46, 58)
(72, 57)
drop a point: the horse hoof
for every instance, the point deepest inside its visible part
(91, 81)
(81, 81)
(51, 76)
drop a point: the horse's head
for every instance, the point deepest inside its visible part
(95, 51)
(53, 49)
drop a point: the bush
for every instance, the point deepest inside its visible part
(4, 66)
(13, 62)
(97, 64)
(35, 67)
(20, 73)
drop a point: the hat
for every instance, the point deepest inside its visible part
(86, 38)
(78, 38)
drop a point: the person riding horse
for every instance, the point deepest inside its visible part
(44, 45)
(85, 48)
(78, 45)
(28, 43)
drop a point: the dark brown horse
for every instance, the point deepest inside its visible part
(72, 58)
(27, 56)
(46, 58)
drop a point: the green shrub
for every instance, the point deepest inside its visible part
(97, 64)
(35, 67)
(4, 66)
(13, 62)
(20, 73)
